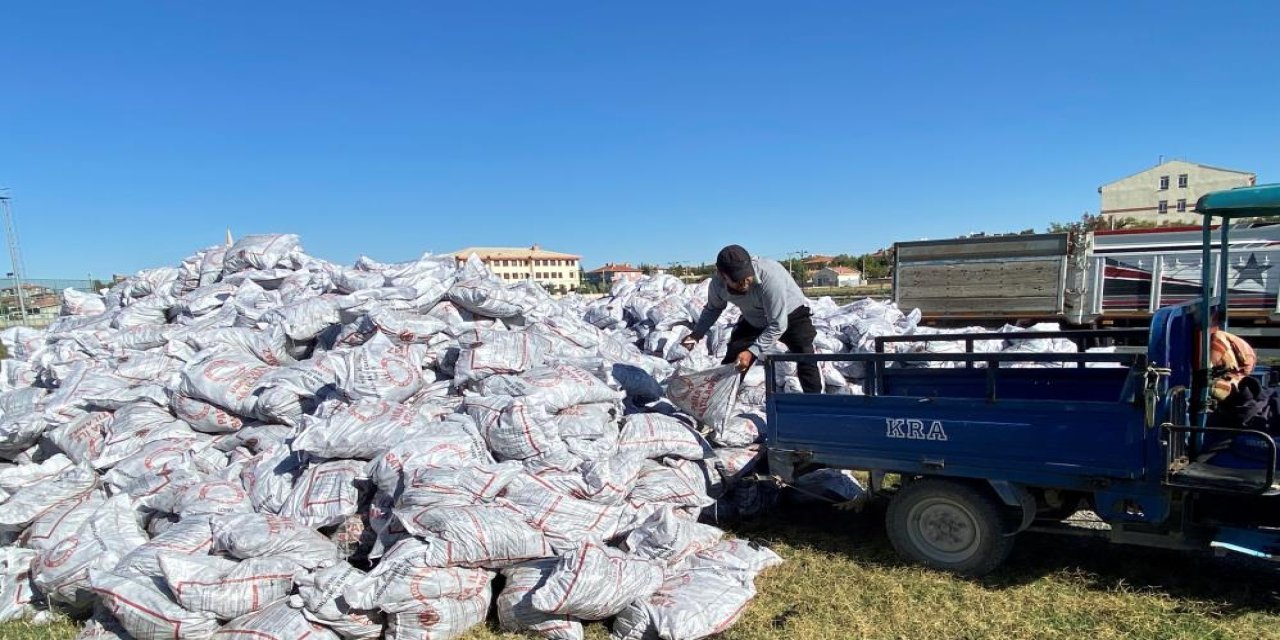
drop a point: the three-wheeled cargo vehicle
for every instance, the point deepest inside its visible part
(986, 448)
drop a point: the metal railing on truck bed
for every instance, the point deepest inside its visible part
(1067, 426)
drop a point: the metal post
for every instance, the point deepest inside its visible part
(15, 256)
(1206, 278)
(1223, 272)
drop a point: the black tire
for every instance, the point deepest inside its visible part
(948, 526)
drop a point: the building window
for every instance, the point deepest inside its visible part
(1164, 206)
(1182, 205)
(1182, 181)
(1164, 183)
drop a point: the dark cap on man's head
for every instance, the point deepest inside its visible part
(735, 262)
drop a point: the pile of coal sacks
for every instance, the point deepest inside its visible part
(264, 443)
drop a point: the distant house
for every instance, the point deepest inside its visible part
(837, 277)
(29, 290)
(814, 263)
(39, 301)
(611, 273)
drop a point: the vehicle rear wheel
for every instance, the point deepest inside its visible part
(948, 526)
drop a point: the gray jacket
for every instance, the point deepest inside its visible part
(766, 304)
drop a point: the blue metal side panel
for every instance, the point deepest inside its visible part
(1054, 443)
(1172, 341)
(1096, 385)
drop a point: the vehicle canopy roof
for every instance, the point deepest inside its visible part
(1243, 202)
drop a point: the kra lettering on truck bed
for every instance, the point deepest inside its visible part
(912, 429)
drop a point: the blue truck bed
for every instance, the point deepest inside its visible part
(1068, 427)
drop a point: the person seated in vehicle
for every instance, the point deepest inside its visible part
(1240, 402)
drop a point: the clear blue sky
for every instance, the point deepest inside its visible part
(133, 133)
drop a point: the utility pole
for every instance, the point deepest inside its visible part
(15, 256)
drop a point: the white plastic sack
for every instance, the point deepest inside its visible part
(670, 538)
(261, 252)
(378, 370)
(440, 619)
(277, 621)
(14, 478)
(653, 435)
(411, 583)
(16, 594)
(595, 583)
(21, 342)
(146, 611)
(406, 327)
(522, 431)
(566, 521)
(225, 379)
(32, 500)
(210, 497)
(390, 469)
(689, 605)
(50, 528)
(304, 319)
(740, 430)
(516, 612)
(326, 494)
(457, 486)
(662, 485)
(321, 598)
(488, 298)
(269, 478)
(364, 430)
(485, 353)
(555, 388)
(78, 303)
(707, 395)
(190, 537)
(62, 571)
(205, 417)
(226, 588)
(257, 535)
(491, 537)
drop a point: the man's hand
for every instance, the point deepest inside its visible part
(689, 343)
(745, 360)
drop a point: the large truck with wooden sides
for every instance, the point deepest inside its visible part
(1092, 279)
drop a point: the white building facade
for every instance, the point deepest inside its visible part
(555, 271)
(1167, 193)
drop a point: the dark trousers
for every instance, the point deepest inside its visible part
(798, 337)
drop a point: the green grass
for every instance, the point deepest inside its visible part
(842, 580)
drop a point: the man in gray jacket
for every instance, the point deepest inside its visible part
(773, 307)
